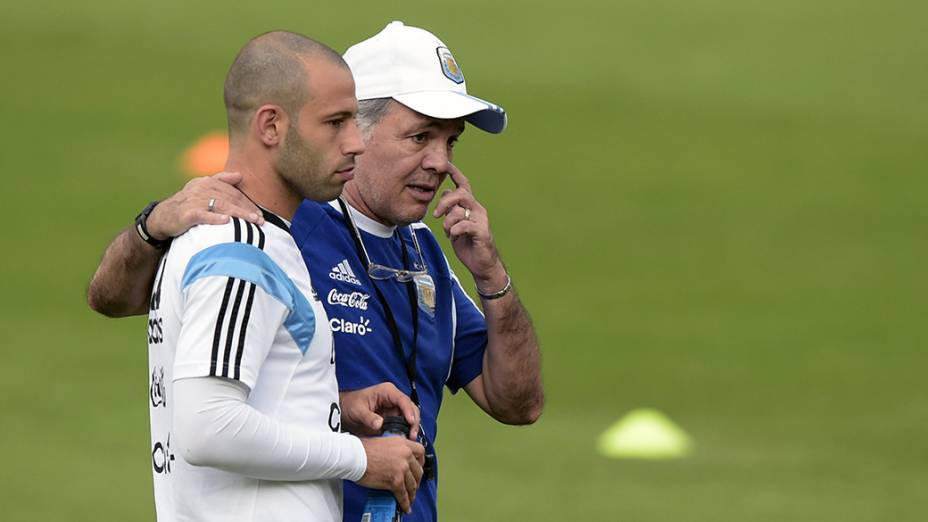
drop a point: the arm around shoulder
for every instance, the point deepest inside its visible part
(121, 286)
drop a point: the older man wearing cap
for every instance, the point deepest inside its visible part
(397, 310)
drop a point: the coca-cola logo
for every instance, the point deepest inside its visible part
(349, 299)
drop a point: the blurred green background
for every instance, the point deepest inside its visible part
(713, 208)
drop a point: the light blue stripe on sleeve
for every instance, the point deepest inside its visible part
(249, 263)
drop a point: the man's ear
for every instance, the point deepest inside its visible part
(270, 125)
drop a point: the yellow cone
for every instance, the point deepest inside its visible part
(644, 434)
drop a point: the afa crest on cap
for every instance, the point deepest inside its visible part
(449, 66)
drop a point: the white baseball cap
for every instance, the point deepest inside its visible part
(415, 68)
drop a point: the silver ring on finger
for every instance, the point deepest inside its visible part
(211, 206)
(467, 213)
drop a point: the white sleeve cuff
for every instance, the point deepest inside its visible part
(354, 452)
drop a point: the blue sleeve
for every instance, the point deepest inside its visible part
(470, 340)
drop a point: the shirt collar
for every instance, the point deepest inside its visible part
(273, 218)
(365, 223)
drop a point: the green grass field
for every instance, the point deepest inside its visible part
(711, 208)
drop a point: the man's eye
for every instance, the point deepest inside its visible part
(420, 138)
(336, 123)
(452, 142)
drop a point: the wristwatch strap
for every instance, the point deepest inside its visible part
(141, 227)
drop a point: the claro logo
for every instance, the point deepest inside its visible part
(362, 327)
(161, 456)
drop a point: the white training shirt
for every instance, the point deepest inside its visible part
(236, 302)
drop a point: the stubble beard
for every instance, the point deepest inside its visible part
(300, 166)
(378, 202)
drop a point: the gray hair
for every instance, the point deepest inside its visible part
(370, 112)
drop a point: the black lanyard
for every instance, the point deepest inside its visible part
(409, 362)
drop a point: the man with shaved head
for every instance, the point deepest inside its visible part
(246, 421)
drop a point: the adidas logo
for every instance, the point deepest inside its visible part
(343, 272)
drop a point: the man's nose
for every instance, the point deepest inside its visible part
(437, 158)
(353, 145)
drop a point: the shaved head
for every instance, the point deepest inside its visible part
(272, 68)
